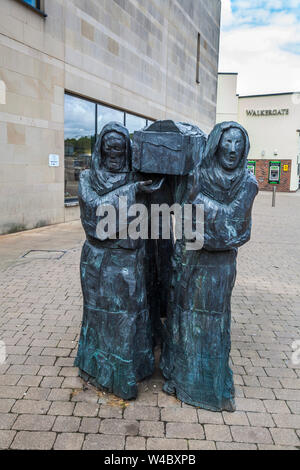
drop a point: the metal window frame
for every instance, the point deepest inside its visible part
(39, 8)
(198, 57)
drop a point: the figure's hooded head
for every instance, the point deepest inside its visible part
(111, 161)
(224, 165)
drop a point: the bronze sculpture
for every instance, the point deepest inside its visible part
(195, 357)
(115, 347)
(122, 277)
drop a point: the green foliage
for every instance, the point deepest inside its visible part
(76, 147)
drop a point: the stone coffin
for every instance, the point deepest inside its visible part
(168, 148)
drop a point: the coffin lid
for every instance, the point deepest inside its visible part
(175, 127)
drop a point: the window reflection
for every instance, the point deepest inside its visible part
(81, 117)
(79, 141)
(106, 115)
(33, 3)
(134, 123)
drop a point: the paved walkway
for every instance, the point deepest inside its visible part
(44, 405)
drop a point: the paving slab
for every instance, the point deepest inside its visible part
(45, 405)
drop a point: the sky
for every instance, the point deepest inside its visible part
(260, 40)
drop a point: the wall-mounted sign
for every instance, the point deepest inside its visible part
(251, 164)
(285, 168)
(274, 172)
(267, 112)
(53, 159)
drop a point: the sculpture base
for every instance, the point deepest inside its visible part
(171, 389)
(131, 393)
(91, 380)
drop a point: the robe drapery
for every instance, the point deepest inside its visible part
(195, 356)
(115, 346)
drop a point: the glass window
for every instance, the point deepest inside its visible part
(85, 119)
(80, 124)
(134, 123)
(106, 115)
(33, 3)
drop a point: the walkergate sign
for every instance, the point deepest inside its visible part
(267, 112)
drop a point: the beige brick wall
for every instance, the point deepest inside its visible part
(138, 55)
(31, 120)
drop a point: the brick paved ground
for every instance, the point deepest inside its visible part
(44, 405)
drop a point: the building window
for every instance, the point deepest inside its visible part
(134, 123)
(105, 114)
(84, 120)
(35, 5)
(198, 58)
(80, 134)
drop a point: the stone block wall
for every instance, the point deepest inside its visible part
(136, 55)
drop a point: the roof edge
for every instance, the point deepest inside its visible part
(270, 94)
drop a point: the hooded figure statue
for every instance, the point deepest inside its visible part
(115, 347)
(195, 356)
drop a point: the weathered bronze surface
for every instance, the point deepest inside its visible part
(168, 147)
(115, 347)
(196, 346)
(128, 285)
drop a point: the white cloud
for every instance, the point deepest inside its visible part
(227, 16)
(260, 53)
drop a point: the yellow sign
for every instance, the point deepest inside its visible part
(285, 168)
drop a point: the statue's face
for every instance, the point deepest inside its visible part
(113, 151)
(231, 149)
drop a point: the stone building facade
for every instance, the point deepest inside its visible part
(153, 59)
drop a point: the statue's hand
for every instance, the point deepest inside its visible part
(149, 187)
